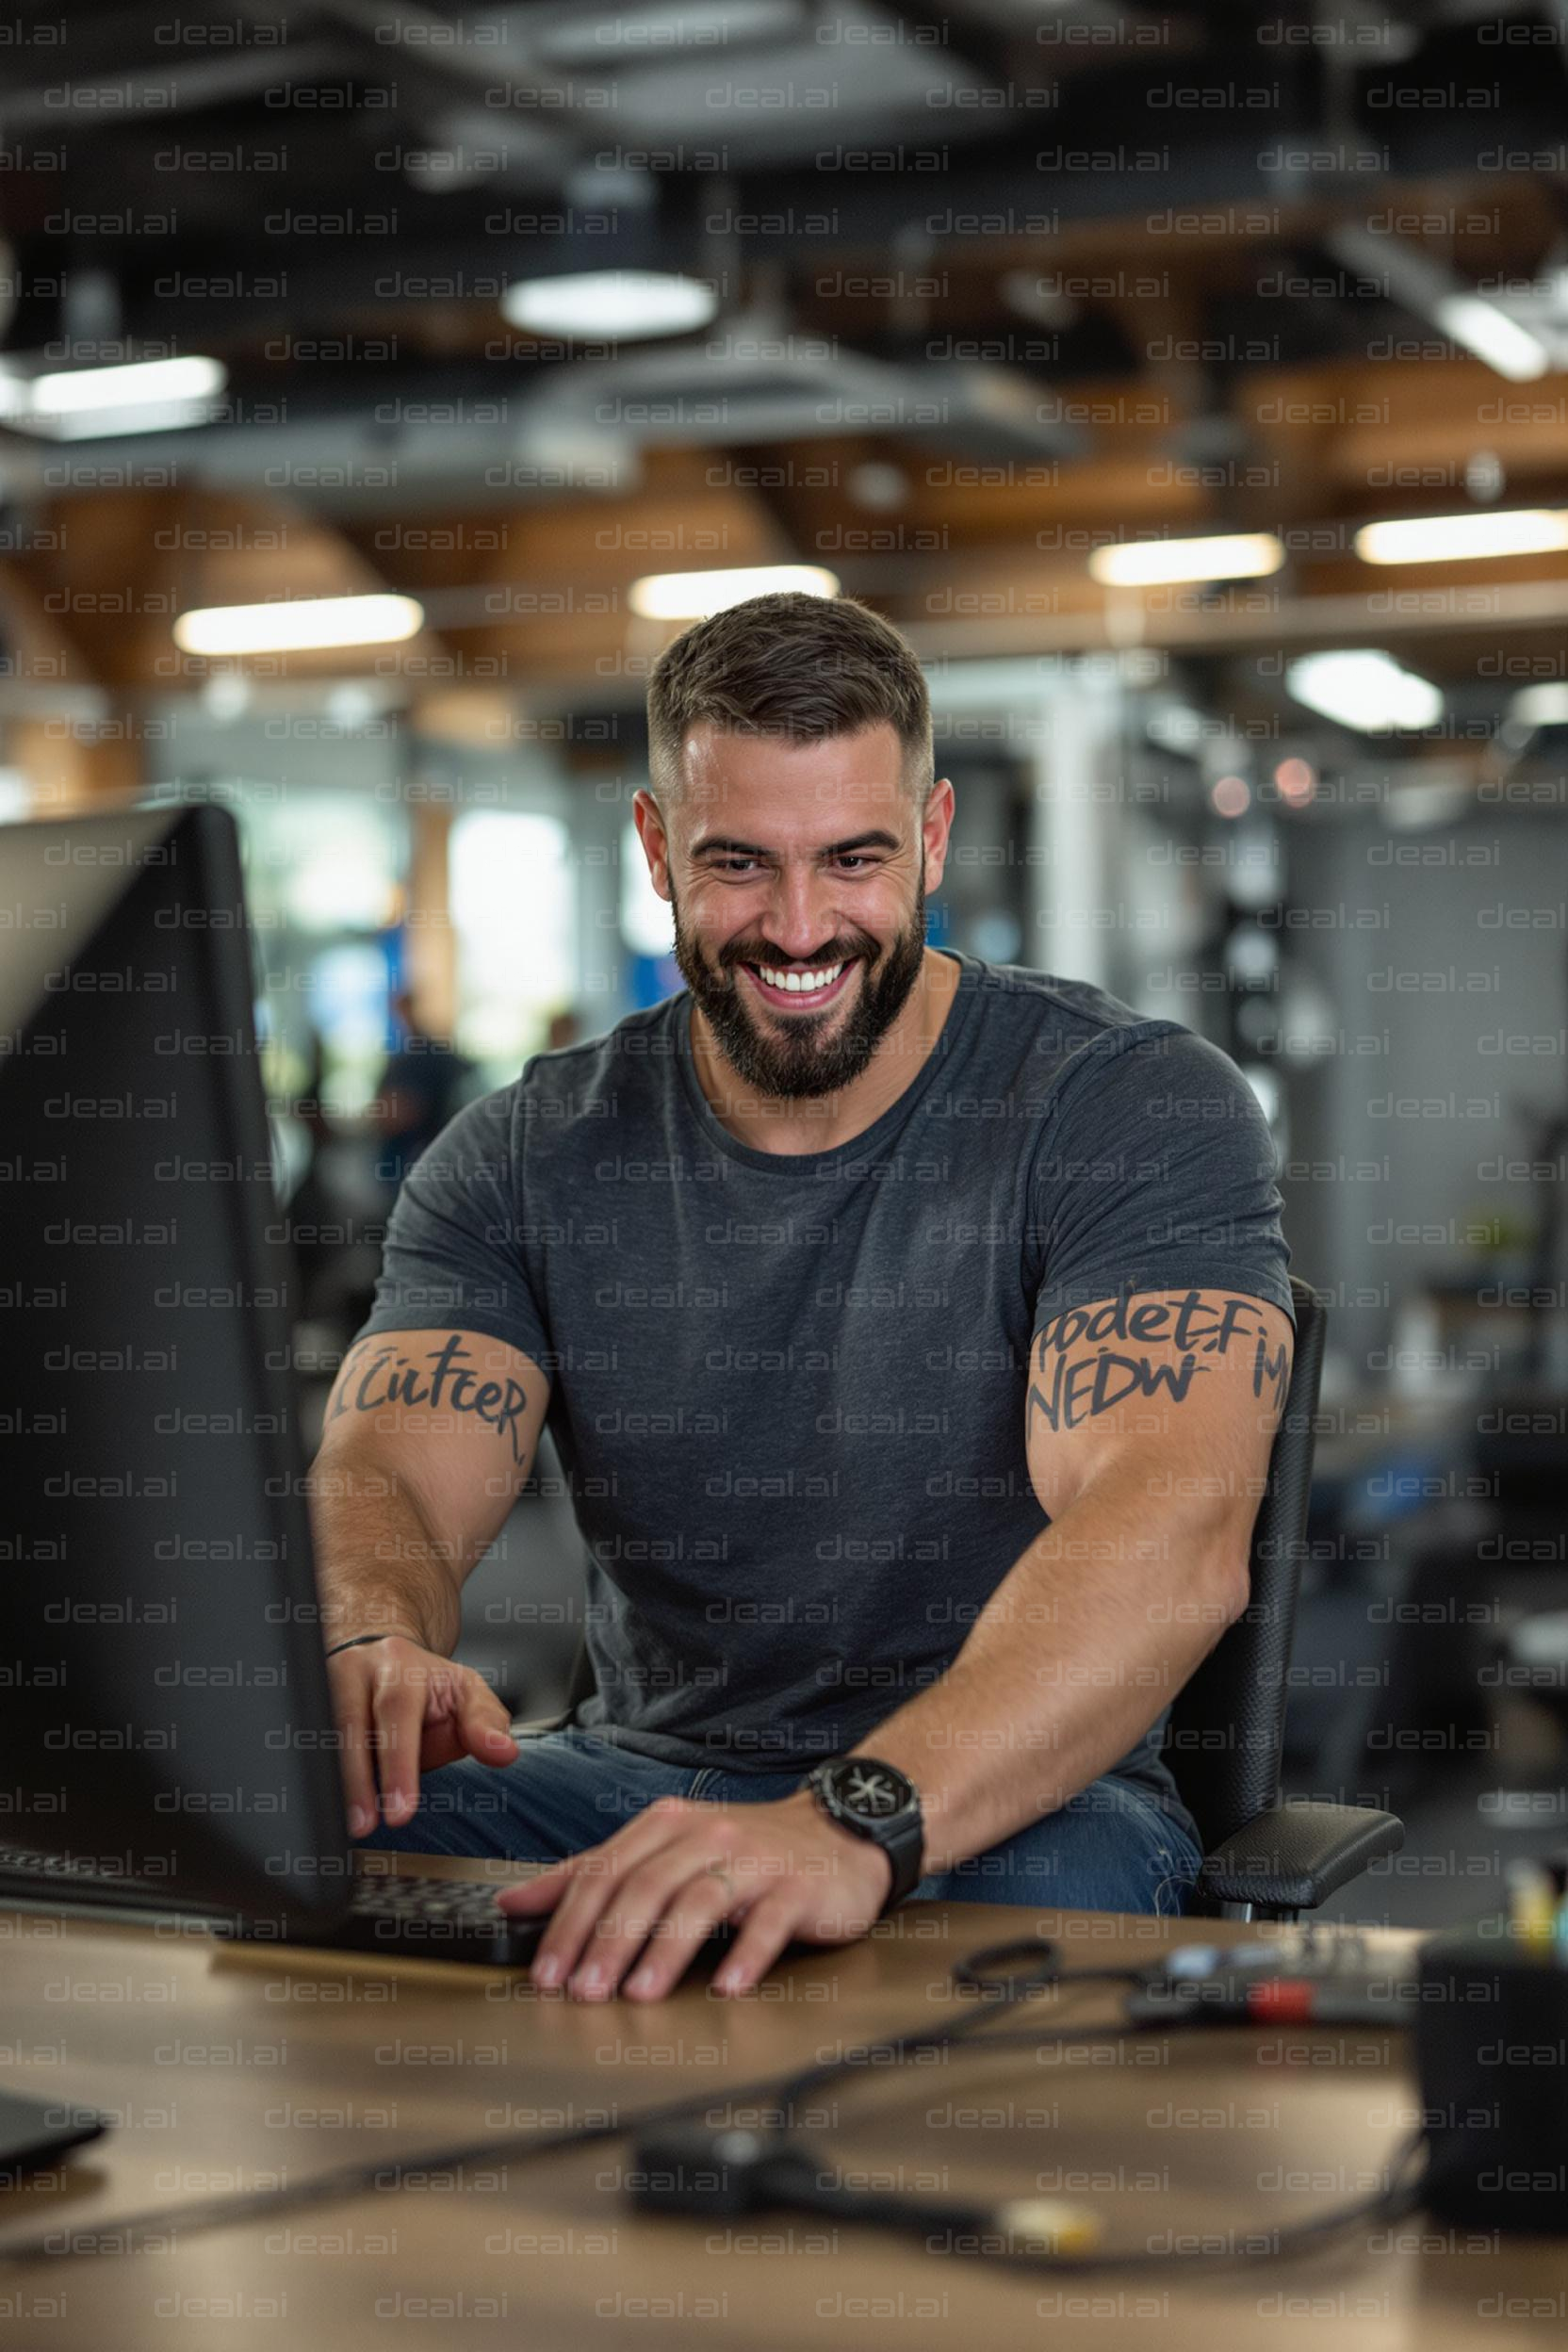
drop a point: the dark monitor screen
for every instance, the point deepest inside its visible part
(164, 1705)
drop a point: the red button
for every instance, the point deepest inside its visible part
(1288, 2000)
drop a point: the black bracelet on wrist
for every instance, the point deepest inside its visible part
(356, 1641)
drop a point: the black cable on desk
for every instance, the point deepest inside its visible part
(911, 2216)
(984, 2231)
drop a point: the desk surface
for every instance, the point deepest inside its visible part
(227, 2070)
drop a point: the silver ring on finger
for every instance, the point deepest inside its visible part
(716, 1869)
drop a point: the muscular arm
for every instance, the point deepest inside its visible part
(427, 1438)
(1149, 1424)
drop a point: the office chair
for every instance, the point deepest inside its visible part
(1262, 1858)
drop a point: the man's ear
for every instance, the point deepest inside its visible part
(654, 836)
(936, 829)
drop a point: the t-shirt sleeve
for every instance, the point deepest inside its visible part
(451, 1260)
(1157, 1172)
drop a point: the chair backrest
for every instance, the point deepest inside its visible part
(1227, 1724)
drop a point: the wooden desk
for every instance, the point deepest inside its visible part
(228, 2071)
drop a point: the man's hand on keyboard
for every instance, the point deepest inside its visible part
(638, 1906)
(405, 1710)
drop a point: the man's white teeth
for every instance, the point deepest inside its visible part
(800, 982)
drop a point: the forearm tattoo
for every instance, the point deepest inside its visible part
(1071, 1384)
(448, 1384)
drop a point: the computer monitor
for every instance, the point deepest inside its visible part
(165, 1717)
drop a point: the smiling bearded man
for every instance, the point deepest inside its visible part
(912, 1332)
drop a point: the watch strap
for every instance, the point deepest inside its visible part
(903, 1844)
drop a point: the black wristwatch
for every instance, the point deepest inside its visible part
(875, 1801)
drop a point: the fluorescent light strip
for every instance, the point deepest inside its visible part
(1545, 705)
(1158, 563)
(1429, 289)
(1463, 538)
(610, 305)
(308, 625)
(139, 382)
(1507, 347)
(1367, 690)
(143, 395)
(692, 595)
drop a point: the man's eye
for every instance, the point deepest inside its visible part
(739, 865)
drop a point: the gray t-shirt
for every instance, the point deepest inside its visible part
(788, 1391)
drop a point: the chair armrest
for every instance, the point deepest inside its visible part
(1294, 1855)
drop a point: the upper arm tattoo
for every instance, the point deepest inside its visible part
(392, 1377)
(1077, 1372)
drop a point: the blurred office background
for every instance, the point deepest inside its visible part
(999, 318)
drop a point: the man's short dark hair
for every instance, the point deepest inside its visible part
(802, 668)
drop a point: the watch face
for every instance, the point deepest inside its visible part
(872, 1791)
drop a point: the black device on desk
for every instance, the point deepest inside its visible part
(34, 2132)
(167, 1739)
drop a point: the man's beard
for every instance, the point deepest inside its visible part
(785, 1058)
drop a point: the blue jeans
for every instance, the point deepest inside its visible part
(1111, 1848)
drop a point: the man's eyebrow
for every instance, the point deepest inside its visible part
(834, 849)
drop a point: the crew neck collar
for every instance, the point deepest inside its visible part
(960, 1013)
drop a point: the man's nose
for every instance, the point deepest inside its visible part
(802, 919)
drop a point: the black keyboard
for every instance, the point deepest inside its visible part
(437, 1918)
(76, 1881)
(422, 1919)
(418, 1918)
(401, 1919)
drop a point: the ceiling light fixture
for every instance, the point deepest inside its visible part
(1545, 705)
(692, 595)
(1429, 289)
(307, 625)
(1158, 563)
(1367, 690)
(142, 396)
(1464, 538)
(610, 305)
(1509, 349)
